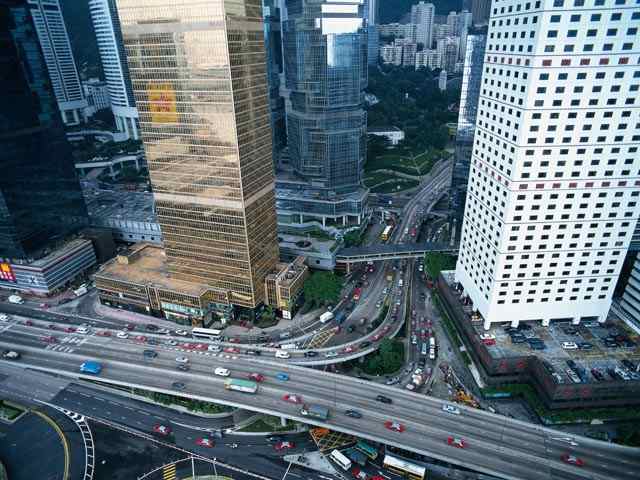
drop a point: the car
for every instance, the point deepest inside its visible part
(518, 339)
(255, 353)
(284, 445)
(489, 342)
(45, 305)
(129, 326)
(69, 329)
(28, 323)
(122, 334)
(311, 354)
(183, 367)
(10, 355)
(353, 413)
(171, 343)
(162, 430)
(456, 442)
(182, 359)
(214, 348)
(414, 340)
(628, 364)
(222, 372)
(205, 442)
(291, 398)
(557, 377)
(383, 399)
(256, 377)
(275, 438)
(585, 346)
(178, 386)
(569, 345)
(200, 346)
(151, 327)
(83, 330)
(52, 326)
(234, 340)
(232, 350)
(140, 339)
(163, 331)
(49, 339)
(331, 354)
(282, 376)
(365, 344)
(150, 353)
(349, 349)
(351, 328)
(181, 333)
(451, 409)
(377, 337)
(103, 333)
(597, 374)
(487, 336)
(395, 426)
(572, 459)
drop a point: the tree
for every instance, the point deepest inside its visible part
(322, 288)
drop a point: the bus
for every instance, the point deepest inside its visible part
(404, 468)
(340, 459)
(367, 449)
(91, 367)
(356, 294)
(386, 233)
(208, 333)
(241, 385)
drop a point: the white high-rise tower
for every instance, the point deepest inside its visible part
(58, 56)
(553, 189)
(106, 25)
(422, 17)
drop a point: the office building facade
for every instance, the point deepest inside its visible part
(422, 16)
(553, 186)
(325, 53)
(469, 97)
(40, 197)
(480, 11)
(58, 56)
(204, 121)
(106, 26)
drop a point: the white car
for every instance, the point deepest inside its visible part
(83, 330)
(182, 333)
(4, 317)
(182, 359)
(569, 345)
(451, 409)
(222, 372)
(122, 335)
(331, 354)
(487, 336)
(214, 348)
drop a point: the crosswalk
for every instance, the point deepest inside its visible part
(66, 344)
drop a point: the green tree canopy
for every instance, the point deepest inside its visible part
(322, 288)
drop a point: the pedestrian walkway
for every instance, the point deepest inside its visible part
(313, 460)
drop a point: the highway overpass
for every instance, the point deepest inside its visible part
(496, 445)
(376, 253)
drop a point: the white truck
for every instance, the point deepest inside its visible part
(16, 299)
(325, 317)
(80, 290)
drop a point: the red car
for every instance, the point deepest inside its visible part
(395, 426)
(232, 350)
(349, 349)
(572, 459)
(129, 326)
(44, 305)
(234, 340)
(200, 346)
(358, 474)
(205, 442)
(103, 333)
(456, 442)
(292, 398)
(376, 337)
(49, 339)
(489, 341)
(28, 323)
(284, 445)
(69, 329)
(257, 377)
(162, 429)
(140, 339)
(386, 329)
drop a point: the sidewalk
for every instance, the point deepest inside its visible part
(313, 460)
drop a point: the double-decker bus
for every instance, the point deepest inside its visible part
(402, 467)
(356, 294)
(340, 459)
(208, 333)
(367, 449)
(386, 233)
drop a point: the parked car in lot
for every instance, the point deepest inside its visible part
(597, 374)
(569, 345)
(489, 342)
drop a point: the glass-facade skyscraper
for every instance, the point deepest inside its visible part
(325, 65)
(40, 196)
(199, 79)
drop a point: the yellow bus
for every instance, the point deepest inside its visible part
(386, 233)
(404, 468)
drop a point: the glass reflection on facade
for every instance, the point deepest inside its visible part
(469, 96)
(40, 196)
(199, 78)
(325, 52)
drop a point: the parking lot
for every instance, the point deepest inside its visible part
(589, 352)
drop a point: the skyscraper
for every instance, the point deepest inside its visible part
(469, 98)
(422, 17)
(58, 56)
(200, 82)
(40, 196)
(552, 198)
(325, 52)
(106, 26)
(480, 9)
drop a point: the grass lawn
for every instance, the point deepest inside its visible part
(374, 178)
(9, 412)
(261, 425)
(393, 186)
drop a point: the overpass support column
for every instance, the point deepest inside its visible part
(283, 422)
(324, 221)
(487, 324)
(515, 323)
(575, 321)
(344, 220)
(546, 322)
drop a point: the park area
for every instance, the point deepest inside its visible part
(398, 169)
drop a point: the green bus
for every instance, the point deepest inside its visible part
(240, 385)
(367, 449)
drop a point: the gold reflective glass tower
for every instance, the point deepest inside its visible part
(199, 79)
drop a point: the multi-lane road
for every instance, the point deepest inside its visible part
(496, 445)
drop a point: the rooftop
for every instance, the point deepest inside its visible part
(146, 264)
(53, 252)
(134, 206)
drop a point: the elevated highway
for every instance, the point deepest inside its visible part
(496, 445)
(376, 253)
